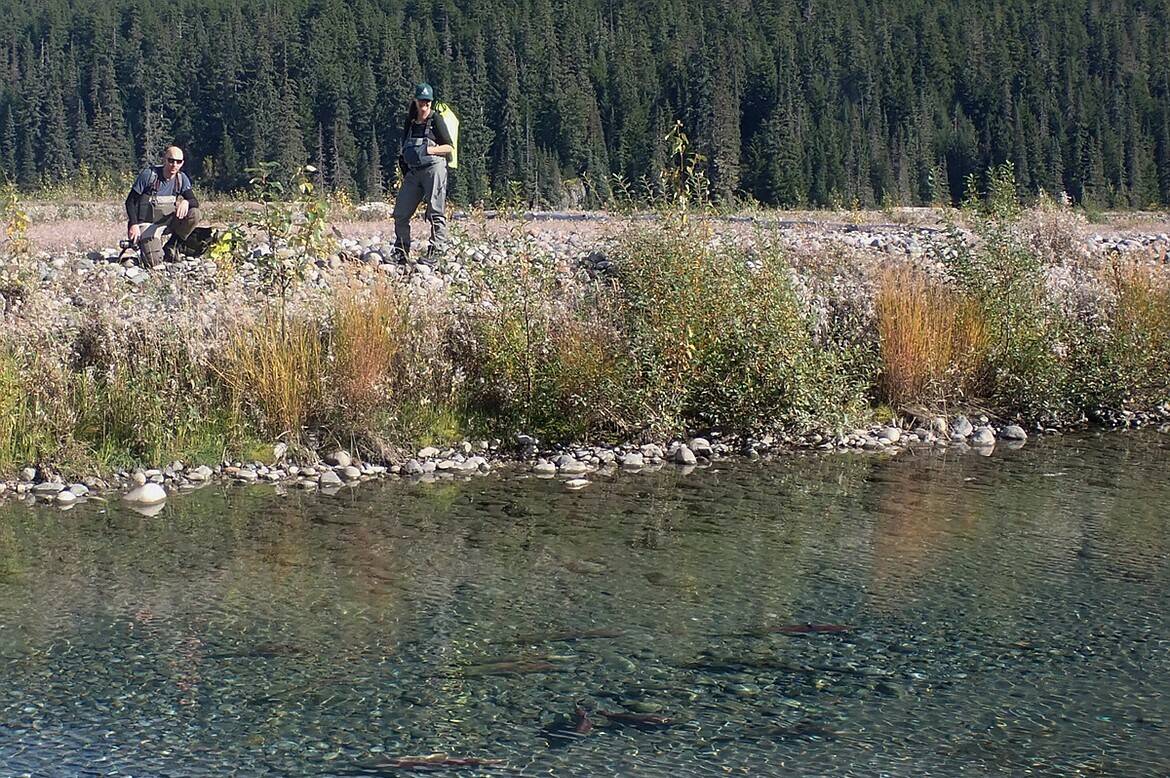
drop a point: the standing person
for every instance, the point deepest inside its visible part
(161, 206)
(426, 144)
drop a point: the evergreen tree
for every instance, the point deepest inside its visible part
(793, 102)
(8, 146)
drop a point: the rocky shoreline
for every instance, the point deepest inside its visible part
(146, 490)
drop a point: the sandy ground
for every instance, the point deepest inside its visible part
(65, 226)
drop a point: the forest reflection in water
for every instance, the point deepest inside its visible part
(820, 615)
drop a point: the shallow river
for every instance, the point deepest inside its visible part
(838, 615)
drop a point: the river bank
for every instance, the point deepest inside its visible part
(571, 347)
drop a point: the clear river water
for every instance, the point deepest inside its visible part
(810, 615)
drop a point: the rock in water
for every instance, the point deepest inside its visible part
(962, 426)
(1013, 432)
(148, 493)
(701, 447)
(984, 437)
(633, 459)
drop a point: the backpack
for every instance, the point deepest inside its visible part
(451, 122)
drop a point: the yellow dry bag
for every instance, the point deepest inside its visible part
(451, 122)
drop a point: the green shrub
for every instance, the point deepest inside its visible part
(545, 360)
(1028, 336)
(720, 339)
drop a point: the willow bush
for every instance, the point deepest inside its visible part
(720, 339)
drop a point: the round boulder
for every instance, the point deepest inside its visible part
(148, 493)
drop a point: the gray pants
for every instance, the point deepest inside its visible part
(425, 184)
(151, 237)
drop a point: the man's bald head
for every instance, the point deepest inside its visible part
(172, 161)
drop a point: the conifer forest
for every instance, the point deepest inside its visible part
(789, 102)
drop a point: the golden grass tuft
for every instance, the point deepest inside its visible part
(932, 341)
(369, 328)
(276, 370)
(1143, 298)
(1141, 322)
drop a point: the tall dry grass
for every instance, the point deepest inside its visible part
(391, 377)
(932, 341)
(369, 328)
(274, 372)
(1140, 331)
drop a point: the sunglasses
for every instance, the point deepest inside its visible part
(174, 161)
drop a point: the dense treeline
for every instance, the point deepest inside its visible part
(792, 102)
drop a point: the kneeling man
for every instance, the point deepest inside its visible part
(161, 209)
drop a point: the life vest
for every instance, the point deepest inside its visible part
(151, 205)
(414, 152)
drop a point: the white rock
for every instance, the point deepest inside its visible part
(576, 483)
(652, 451)
(1013, 432)
(962, 427)
(984, 437)
(340, 458)
(199, 474)
(701, 447)
(146, 494)
(633, 459)
(571, 466)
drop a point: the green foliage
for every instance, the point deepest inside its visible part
(293, 221)
(1001, 202)
(149, 406)
(684, 178)
(719, 338)
(14, 220)
(153, 404)
(538, 365)
(1045, 359)
(1123, 364)
(26, 433)
(1024, 330)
